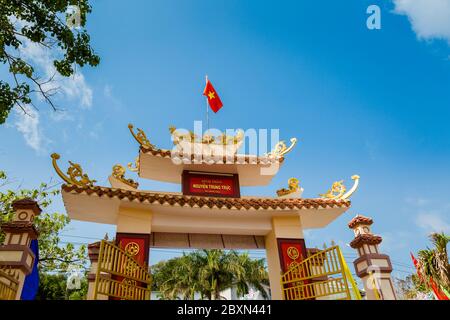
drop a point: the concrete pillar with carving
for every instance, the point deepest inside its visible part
(371, 266)
(15, 252)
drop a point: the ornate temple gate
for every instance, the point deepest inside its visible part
(323, 275)
(119, 276)
(9, 284)
(208, 211)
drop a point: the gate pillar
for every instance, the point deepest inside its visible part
(15, 253)
(133, 232)
(284, 245)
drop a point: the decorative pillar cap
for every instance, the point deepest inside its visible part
(20, 227)
(27, 203)
(360, 220)
(93, 251)
(365, 239)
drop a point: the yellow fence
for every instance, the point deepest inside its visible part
(120, 276)
(324, 276)
(9, 284)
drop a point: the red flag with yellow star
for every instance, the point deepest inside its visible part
(213, 98)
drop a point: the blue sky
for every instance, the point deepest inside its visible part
(371, 102)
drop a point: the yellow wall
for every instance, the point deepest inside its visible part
(130, 220)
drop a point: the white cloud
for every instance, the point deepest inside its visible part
(61, 115)
(394, 241)
(72, 88)
(69, 90)
(107, 91)
(432, 222)
(417, 201)
(430, 19)
(110, 96)
(96, 131)
(28, 124)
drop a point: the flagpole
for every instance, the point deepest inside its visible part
(207, 107)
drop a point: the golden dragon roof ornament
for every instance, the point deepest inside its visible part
(281, 149)
(294, 186)
(136, 165)
(189, 136)
(118, 172)
(338, 190)
(141, 137)
(74, 175)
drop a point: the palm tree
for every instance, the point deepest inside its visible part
(208, 272)
(175, 278)
(249, 272)
(434, 262)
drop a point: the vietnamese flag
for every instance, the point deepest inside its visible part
(213, 98)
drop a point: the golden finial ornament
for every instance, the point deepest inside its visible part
(338, 190)
(141, 137)
(281, 149)
(118, 172)
(294, 186)
(74, 175)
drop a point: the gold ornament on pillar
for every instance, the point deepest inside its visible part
(293, 253)
(338, 190)
(132, 248)
(75, 175)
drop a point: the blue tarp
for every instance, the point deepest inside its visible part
(31, 285)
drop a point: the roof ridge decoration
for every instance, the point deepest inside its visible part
(189, 143)
(75, 175)
(293, 188)
(222, 139)
(141, 137)
(338, 190)
(118, 172)
(281, 149)
(136, 165)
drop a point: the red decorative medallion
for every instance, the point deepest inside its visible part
(292, 251)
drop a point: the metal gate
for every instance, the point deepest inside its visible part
(120, 276)
(323, 275)
(9, 284)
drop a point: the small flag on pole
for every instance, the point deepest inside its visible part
(213, 98)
